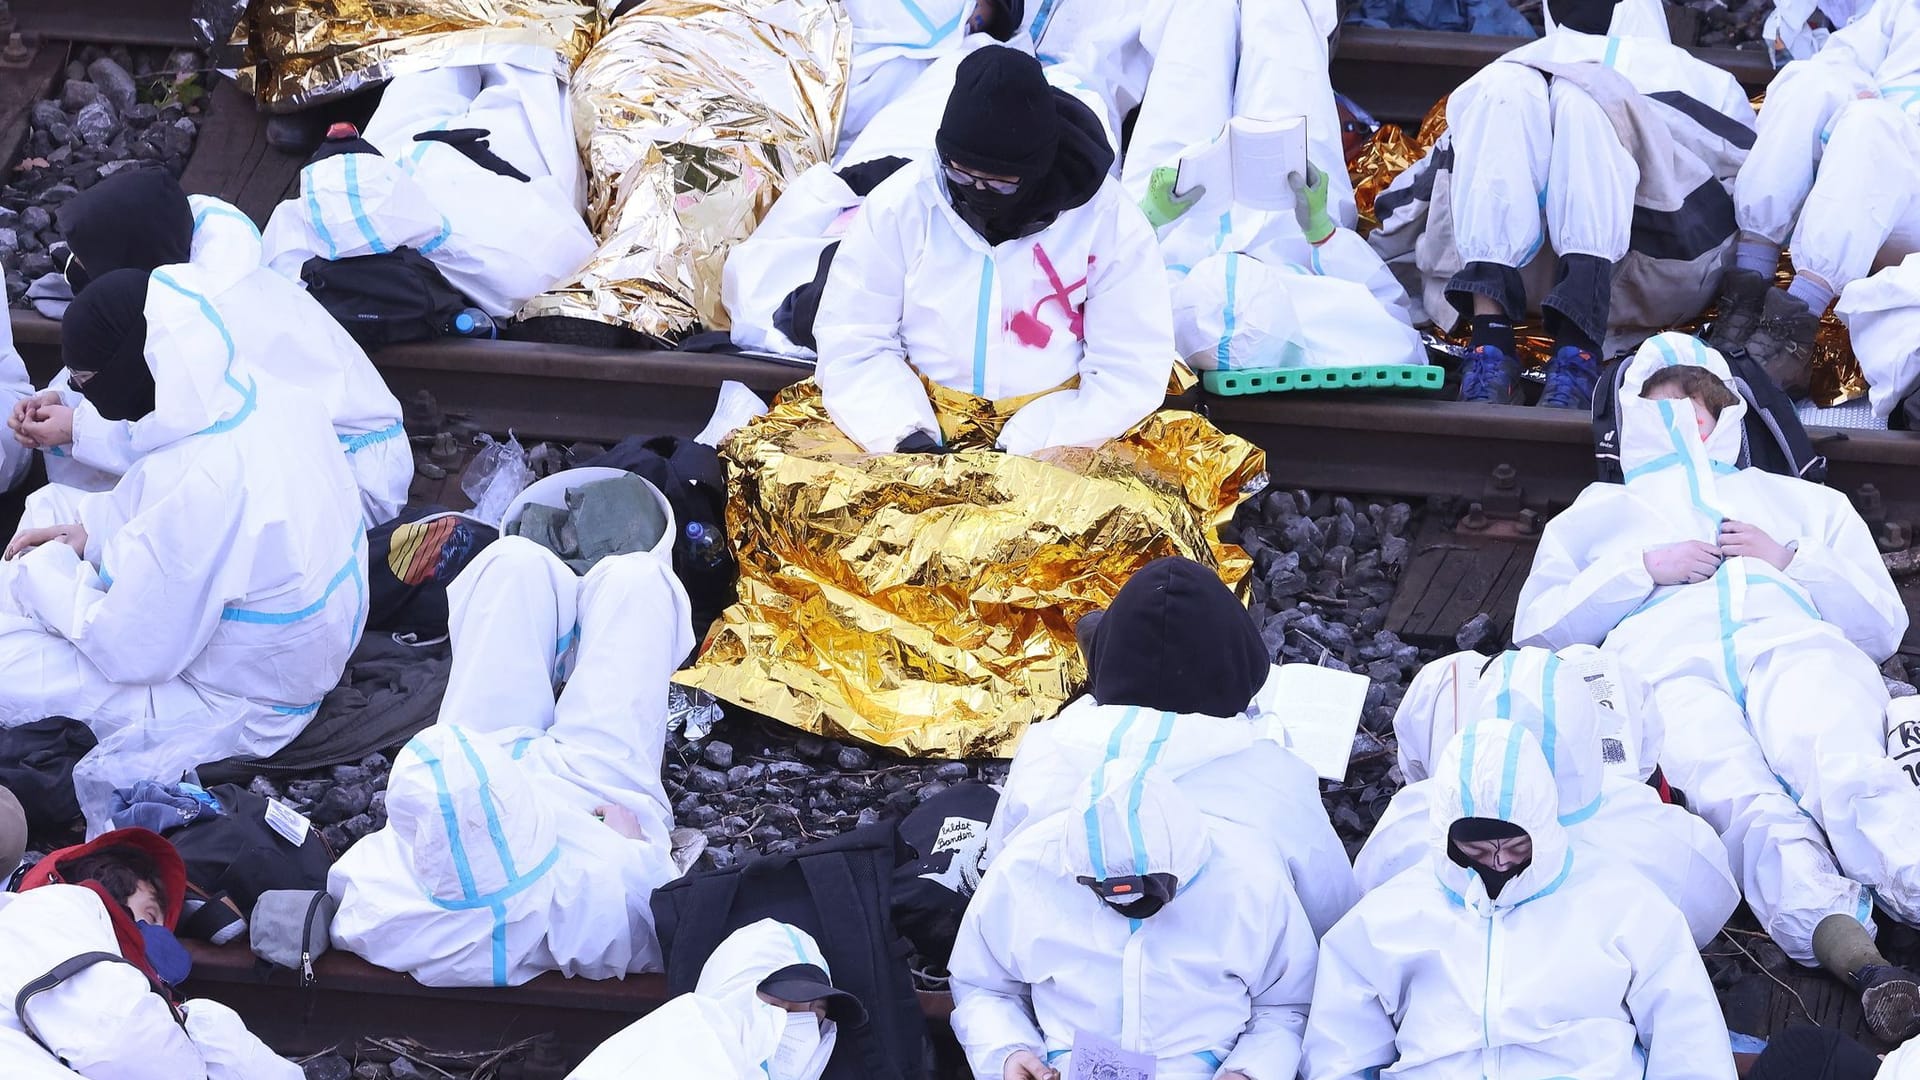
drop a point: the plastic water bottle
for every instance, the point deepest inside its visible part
(472, 322)
(705, 543)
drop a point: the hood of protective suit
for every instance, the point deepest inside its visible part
(1661, 452)
(1128, 820)
(126, 931)
(202, 384)
(226, 243)
(1175, 638)
(1539, 691)
(134, 220)
(1631, 18)
(470, 825)
(733, 973)
(1495, 769)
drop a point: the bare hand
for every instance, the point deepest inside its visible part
(46, 427)
(1681, 564)
(1025, 1065)
(24, 409)
(72, 535)
(1739, 538)
(620, 820)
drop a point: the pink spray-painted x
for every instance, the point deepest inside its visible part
(1027, 326)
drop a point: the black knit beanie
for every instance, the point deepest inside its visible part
(1001, 118)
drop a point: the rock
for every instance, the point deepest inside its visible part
(951, 772)
(782, 770)
(741, 776)
(328, 1067)
(36, 219)
(341, 802)
(1476, 634)
(928, 791)
(812, 747)
(114, 82)
(77, 94)
(854, 759)
(718, 754)
(95, 124)
(34, 267)
(376, 763)
(264, 788)
(701, 816)
(359, 826)
(336, 838)
(179, 139)
(868, 816)
(141, 116)
(699, 779)
(47, 115)
(350, 774)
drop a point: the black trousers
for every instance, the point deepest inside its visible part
(1813, 1053)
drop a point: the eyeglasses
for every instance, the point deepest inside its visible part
(964, 178)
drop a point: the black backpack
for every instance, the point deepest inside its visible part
(945, 837)
(839, 891)
(694, 480)
(1774, 439)
(237, 856)
(384, 299)
(36, 764)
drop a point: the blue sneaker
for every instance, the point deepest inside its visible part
(1570, 378)
(1490, 377)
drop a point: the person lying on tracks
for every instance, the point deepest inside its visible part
(1591, 174)
(526, 834)
(1749, 611)
(1184, 697)
(765, 1009)
(1611, 819)
(89, 969)
(1132, 923)
(141, 220)
(1507, 951)
(202, 606)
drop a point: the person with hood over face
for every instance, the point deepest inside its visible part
(142, 220)
(1592, 173)
(1134, 919)
(1835, 166)
(1507, 952)
(1175, 664)
(1611, 820)
(765, 1009)
(1006, 265)
(89, 938)
(526, 834)
(203, 606)
(1753, 610)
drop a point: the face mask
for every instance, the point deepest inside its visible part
(165, 955)
(986, 211)
(803, 1050)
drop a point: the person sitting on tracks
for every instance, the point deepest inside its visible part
(526, 834)
(1610, 818)
(1184, 696)
(1507, 950)
(1836, 166)
(765, 1009)
(1751, 610)
(1131, 923)
(89, 968)
(1006, 265)
(16, 387)
(1591, 173)
(203, 606)
(142, 220)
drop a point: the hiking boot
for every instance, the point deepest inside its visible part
(1571, 374)
(1890, 998)
(1490, 377)
(1742, 294)
(1782, 342)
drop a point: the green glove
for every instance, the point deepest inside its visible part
(1310, 205)
(1161, 205)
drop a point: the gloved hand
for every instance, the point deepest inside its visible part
(1310, 204)
(1683, 563)
(1739, 538)
(1161, 205)
(921, 443)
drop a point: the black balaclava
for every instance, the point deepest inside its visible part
(1471, 829)
(1586, 16)
(135, 219)
(1175, 639)
(1003, 118)
(104, 335)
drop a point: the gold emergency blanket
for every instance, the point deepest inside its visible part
(301, 52)
(693, 115)
(925, 602)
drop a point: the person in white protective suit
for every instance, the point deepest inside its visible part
(526, 834)
(1175, 664)
(1753, 609)
(1611, 820)
(765, 1009)
(1507, 952)
(1836, 169)
(203, 606)
(895, 42)
(89, 939)
(16, 457)
(142, 220)
(445, 152)
(1603, 153)
(1006, 265)
(1133, 919)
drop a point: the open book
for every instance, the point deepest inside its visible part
(1250, 161)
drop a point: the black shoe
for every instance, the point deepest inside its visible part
(1890, 998)
(1742, 295)
(1782, 342)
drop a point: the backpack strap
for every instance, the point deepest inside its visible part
(64, 970)
(850, 888)
(690, 918)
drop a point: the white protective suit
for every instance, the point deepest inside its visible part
(280, 331)
(15, 385)
(1224, 766)
(1576, 970)
(1218, 980)
(1765, 678)
(915, 291)
(224, 583)
(430, 196)
(44, 927)
(492, 867)
(721, 1031)
(1611, 821)
(895, 42)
